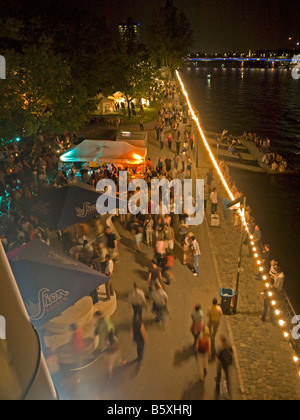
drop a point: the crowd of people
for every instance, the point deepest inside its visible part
(29, 169)
(162, 232)
(275, 161)
(231, 141)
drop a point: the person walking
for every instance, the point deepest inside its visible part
(203, 352)
(139, 335)
(154, 276)
(149, 227)
(168, 164)
(157, 131)
(78, 341)
(197, 253)
(183, 231)
(197, 323)
(115, 356)
(78, 344)
(206, 197)
(160, 302)
(136, 301)
(178, 145)
(209, 178)
(224, 362)
(138, 231)
(112, 243)
(102, 252)
(214, 200)
(169, 237)
(161, 139)
(104, 329)
(109, 272)
(214, 316)
(188, 256)
(170, 140)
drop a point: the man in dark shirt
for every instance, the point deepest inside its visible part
(224, 361)
(168, 163)
(112, 243)
(154, 276)
(266, 255)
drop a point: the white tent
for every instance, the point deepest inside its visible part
(92, 151)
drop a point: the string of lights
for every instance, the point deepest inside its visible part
(283, 323)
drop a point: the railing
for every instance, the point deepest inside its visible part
(283, 308)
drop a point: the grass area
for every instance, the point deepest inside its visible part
(150, 115)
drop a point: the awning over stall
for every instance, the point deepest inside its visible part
(50, 281)
(121, 153)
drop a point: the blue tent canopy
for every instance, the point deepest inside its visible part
(50, 281)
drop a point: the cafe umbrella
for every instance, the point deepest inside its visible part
(50, 281)
(66, 206)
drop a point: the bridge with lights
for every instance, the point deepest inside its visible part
(243, 60)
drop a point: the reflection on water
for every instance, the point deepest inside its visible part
(265, 101)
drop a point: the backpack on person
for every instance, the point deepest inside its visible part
(226, 357)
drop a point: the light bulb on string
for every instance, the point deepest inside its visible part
(277, 312)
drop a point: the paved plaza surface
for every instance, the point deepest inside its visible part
(263, 366)
(169, 369)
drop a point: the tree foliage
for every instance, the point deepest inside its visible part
(39, 93)
(58, 62)
(132, 73)
(169, 36)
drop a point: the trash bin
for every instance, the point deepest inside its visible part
(227, 300)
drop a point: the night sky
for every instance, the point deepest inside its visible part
(224, 25)
(218, 25)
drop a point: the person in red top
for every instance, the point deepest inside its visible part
(170, 140)
(204, 352)
(78, 345)
(78, 342)
(168, 268)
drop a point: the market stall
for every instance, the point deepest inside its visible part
(92, 154)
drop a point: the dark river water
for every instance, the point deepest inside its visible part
(267, 102)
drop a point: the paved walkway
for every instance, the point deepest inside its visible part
(169, 369)
(263, 368)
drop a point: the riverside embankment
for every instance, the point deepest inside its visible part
(265, 360)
